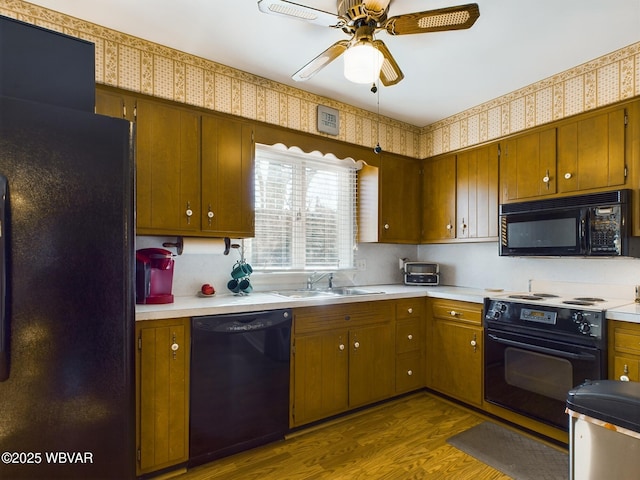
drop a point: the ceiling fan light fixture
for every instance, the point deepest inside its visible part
(362, 63)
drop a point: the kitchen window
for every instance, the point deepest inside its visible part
(305, 211)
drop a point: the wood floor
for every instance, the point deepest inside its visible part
(403, 439)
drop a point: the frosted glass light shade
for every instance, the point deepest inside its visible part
(362, 63)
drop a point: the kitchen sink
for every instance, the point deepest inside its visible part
(329, 292)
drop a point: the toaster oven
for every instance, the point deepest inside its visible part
(421, 273)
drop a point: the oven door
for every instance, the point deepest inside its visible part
(532, 376)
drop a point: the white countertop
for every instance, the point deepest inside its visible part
(626, 313)
(192, 306)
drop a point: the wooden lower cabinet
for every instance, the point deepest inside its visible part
(162, 393)
(624, 351)
(343, 357)
(454, 349)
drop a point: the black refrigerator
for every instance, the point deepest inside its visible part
(67, 402)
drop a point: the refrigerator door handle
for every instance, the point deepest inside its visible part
(4, 314)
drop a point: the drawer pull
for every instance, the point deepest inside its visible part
(453, 313)
(410, 310)
(625, 374)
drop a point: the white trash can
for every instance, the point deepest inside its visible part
(604, 430)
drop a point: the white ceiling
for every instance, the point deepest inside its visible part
(514, 43)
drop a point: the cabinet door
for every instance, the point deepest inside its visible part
(162, 389)
(115, 104)
(439, 199)
(528, 166)
(167, 169)
(371, 363)
(477, 193)
(591, 152)
(456, 350)
(399, 220)
(320, 376)
(227, 177)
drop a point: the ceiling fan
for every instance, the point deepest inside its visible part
(361, 19)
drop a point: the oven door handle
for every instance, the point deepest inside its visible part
(536, 348)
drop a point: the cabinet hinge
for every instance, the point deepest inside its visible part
(139, 343)
(626, 118)
(135, 112)
(499, 151)
(625, 171)
(293, 348)
(139, 455)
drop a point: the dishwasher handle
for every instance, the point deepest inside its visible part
(243, 322)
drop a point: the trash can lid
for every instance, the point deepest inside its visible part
(611, 401)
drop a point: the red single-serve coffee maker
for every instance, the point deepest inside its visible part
(154, 276)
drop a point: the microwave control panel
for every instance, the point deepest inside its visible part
(605, 228)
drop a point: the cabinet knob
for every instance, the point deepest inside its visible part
(409, 337)
(453, 313)
(409, 372)
(188, 212)
(463, 225)
(409, 310)
(546, 179)
(474, 343)
(625, 374)
(341, 347)
(175, 347)
(386, 226)
(356, 344)
(210, 215)
(567, 175)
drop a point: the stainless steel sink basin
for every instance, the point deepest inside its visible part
(329, 292)
(302, 293)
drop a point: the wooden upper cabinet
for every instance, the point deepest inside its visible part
(228, 158)
(167, 169)
(477, 193)
(439, 199)
(399, 219)
(591, 152)
(115, 104)
(528, 166)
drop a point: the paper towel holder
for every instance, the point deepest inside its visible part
(179, 245)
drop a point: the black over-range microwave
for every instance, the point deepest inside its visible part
(596, 224)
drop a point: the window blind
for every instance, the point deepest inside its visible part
(305, 211)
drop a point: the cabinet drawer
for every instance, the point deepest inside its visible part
(328, 317)
(409, 308)
(409, 335)
(626, 341)
(409, 371)
(461, 311)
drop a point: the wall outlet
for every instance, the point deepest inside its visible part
(361, 264)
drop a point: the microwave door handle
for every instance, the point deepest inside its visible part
(4, 313)
(584, 222)
(536, 348)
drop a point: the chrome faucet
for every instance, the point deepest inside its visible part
(316, 277)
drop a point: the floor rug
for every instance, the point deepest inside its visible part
(520, 457)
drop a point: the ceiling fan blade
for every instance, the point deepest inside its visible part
(376, 7)
(302, 12)
(321, 61)
(390, 72)
(450, 18)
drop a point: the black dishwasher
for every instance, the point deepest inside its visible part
(239, 382)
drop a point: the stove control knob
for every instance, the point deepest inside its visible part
(584, 327)
(578, 317)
